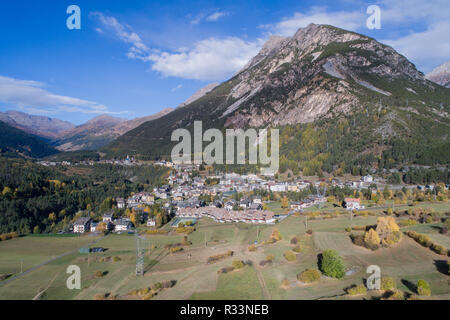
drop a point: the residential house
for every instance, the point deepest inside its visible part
(82, 225)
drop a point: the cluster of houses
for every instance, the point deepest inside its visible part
(86, 224)
(312, 200)
(223, 215)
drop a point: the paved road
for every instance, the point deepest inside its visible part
(44, 263)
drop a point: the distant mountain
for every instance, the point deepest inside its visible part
(198, 94)
(441, 75)
(340, 99)
(18, 142)
(99, 131)
(38, 125)
(88, 136)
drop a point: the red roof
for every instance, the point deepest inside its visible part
(351, 200)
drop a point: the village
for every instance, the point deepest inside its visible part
(190, 195)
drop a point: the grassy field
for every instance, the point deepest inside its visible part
(406, 262)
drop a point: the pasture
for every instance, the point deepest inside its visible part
(194, 278)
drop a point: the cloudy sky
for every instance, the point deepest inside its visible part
(134, 58)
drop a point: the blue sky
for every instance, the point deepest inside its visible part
(134, 58)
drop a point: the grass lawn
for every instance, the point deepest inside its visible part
(406, 262)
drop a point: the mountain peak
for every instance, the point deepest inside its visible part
(441, 75)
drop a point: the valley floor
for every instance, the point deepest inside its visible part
(406, 262)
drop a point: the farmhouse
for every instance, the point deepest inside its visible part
(107, 217)
(82, 225)
(353, 204)
(122, 225)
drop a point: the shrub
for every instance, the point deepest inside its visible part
(392, 238)
(148, 296)
(238, 264)
(309, 231)
(8, 236)
(252, 248)
(270, 257)
(166, 284)
(309, 276)
(276, 235)
(225, 270)
(394, 294)
(357, 290)
(447, 223)
(100, 296)
(408, 222)
(387, 283)
(438, 249)
(285, 283)
(358, 239)
(156, 286)
(371, 239)
(290, 256)
(176, 249)
(185, 230)
(218, 257)
(297, 249)
(116, 259)
(100, 274)
(144, 291)
(332, 265)
(348, 229)
(423, 288)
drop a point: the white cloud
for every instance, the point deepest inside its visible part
(209, 59)
(177, 87)
(30, 95)
(138, 49)
(426, 49)
(216, 16)
(319, 15)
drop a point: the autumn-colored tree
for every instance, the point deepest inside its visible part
(371, 239)
(284, 202)
(102, 226)
(52, 216)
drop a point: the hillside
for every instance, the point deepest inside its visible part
(38, 125)
(99, 131)
(336, 95)
(17, 142)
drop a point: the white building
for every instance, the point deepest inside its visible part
(82, 225)
(151, 222)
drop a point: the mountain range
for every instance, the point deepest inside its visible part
(337, 96)
(341, 99)
(38, 125)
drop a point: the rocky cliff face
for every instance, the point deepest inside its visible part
(320, 73)
(318, 69)
(441, 75)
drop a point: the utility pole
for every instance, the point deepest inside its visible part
(306, 222)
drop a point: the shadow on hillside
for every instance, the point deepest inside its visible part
(441, 266)
(411, 286)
